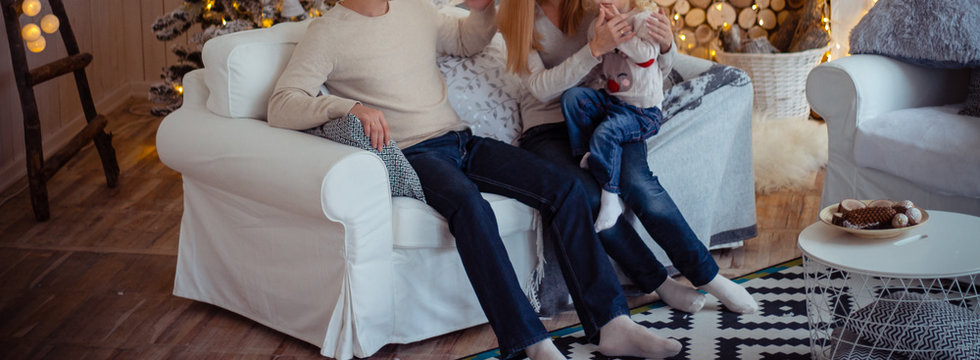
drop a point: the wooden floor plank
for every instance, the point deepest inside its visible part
(95, 281)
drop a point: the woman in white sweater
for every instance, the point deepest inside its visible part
(549, 47)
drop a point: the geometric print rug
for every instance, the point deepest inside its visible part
(779, 330)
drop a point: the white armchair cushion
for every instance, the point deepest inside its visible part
(934, 147)
(415, 223)
(243, 68)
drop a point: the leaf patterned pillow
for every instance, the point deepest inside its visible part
(483, 92)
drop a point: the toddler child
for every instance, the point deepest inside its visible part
(630, 85)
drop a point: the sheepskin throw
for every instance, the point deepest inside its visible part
(937, 33)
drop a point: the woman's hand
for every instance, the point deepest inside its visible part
(375, 126)
(478, 5)
(658, 26)
(611, 29)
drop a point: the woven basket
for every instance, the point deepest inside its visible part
(779, 80)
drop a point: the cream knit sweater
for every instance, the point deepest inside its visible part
(386, 62)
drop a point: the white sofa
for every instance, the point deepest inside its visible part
(300, 233)
(894, 133)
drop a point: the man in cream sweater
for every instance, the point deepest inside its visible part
(378, 59)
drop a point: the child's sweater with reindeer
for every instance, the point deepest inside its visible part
(635, 71)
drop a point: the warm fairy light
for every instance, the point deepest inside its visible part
(235, 5)
(223, 21)
(30, 32)
(209, 5)
(761, 22)
(755, 7)
(725, 26)
(267, 22)
(682, 37)
(50, 23)
(713, 53)
(838, 45)
(31, 7)
(718, 7)
(179, 88)
(677, 16)
(36, 46)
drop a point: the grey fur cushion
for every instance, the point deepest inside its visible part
(935, 33)
(972, 105)
(349, 131)
(910, 323)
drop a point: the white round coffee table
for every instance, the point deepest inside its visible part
(885, 298)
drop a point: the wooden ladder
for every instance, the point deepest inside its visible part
(39, 170)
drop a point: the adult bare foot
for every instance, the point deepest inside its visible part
(623, 337)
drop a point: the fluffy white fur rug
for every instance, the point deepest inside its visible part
(787, 152)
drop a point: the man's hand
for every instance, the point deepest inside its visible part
(479, 5)
(658, 26)
(375, 126)
(609, 33)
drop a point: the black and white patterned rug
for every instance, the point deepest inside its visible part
(778, 331)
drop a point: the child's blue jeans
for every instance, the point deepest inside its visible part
(600, 123)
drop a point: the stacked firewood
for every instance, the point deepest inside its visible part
(758, 26)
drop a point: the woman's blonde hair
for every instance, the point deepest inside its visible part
(516, 22)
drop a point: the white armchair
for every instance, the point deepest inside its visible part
(894, 133)
(301, 234)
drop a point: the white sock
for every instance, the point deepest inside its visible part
(732, 295)
(585, 161)
(610, 208)
(623, 337)
(680, 296)
(543, 350)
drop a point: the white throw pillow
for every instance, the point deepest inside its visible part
(243, 68)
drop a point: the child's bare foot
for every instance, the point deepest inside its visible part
(732, 295)
(623, 337)
(610, 208)
(680, 296)
(544, 350)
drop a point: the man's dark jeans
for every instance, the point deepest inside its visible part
(643, 194)
(454, 168)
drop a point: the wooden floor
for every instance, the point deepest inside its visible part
(95, 281)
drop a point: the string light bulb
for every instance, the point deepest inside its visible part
(30, 32)
(50, 23)
(36, 46)
(31, 7)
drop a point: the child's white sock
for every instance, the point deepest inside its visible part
(732, 295)
(610, 208)
(680, 296)
(585, 161)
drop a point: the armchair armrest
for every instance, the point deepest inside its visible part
(868, 85)
(277, 167)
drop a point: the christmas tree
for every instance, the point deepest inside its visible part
(216, 17)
